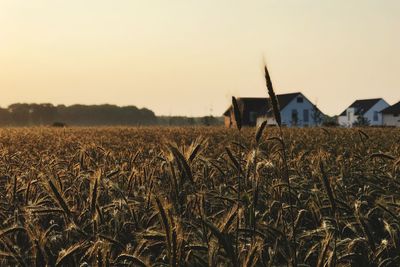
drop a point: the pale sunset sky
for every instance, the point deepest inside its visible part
(188, 57)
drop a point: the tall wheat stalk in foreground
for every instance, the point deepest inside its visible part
(238, 120)
(277, 115)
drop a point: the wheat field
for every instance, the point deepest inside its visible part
(199, 197)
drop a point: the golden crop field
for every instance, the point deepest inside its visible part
(199, 197)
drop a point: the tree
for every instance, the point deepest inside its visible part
(209, 120)
(5, 118)
(330, 121)
(20, 114)
(42, 114)
(47, 114)
(316, 115)
(362, 121)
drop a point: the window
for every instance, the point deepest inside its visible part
(300, 99)
(375, 115)
(295, 117)
(252, 116)
(305, 115)
(348, 115)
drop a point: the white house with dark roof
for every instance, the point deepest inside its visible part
(295, 109)
(391, 115)
(369, 109)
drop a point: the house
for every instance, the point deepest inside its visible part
(365, 111)
(250, 109)
(391, 115)
(295, 109)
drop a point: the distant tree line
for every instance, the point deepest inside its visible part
(22, 114)
(88, 115)
(189, 121)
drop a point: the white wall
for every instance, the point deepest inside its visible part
(390, 120)
(342, 121)
(379, 106)
(286, 113)
(262, 119)
(350, 119)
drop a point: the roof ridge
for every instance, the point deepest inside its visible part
(395, 108)
(362, 105)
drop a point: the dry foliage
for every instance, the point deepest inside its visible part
(172, 197)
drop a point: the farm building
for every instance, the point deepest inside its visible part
(251, 108)
(391, 115)
(295, 109)
(365, 111)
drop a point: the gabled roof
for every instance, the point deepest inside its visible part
(262, 104)
(285, 99)
(394, 109)
(362, 106)
(256, 103)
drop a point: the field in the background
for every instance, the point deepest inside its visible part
(199, 197)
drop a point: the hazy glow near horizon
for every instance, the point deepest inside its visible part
(189, 57)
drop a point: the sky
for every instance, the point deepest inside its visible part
(188, 57)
